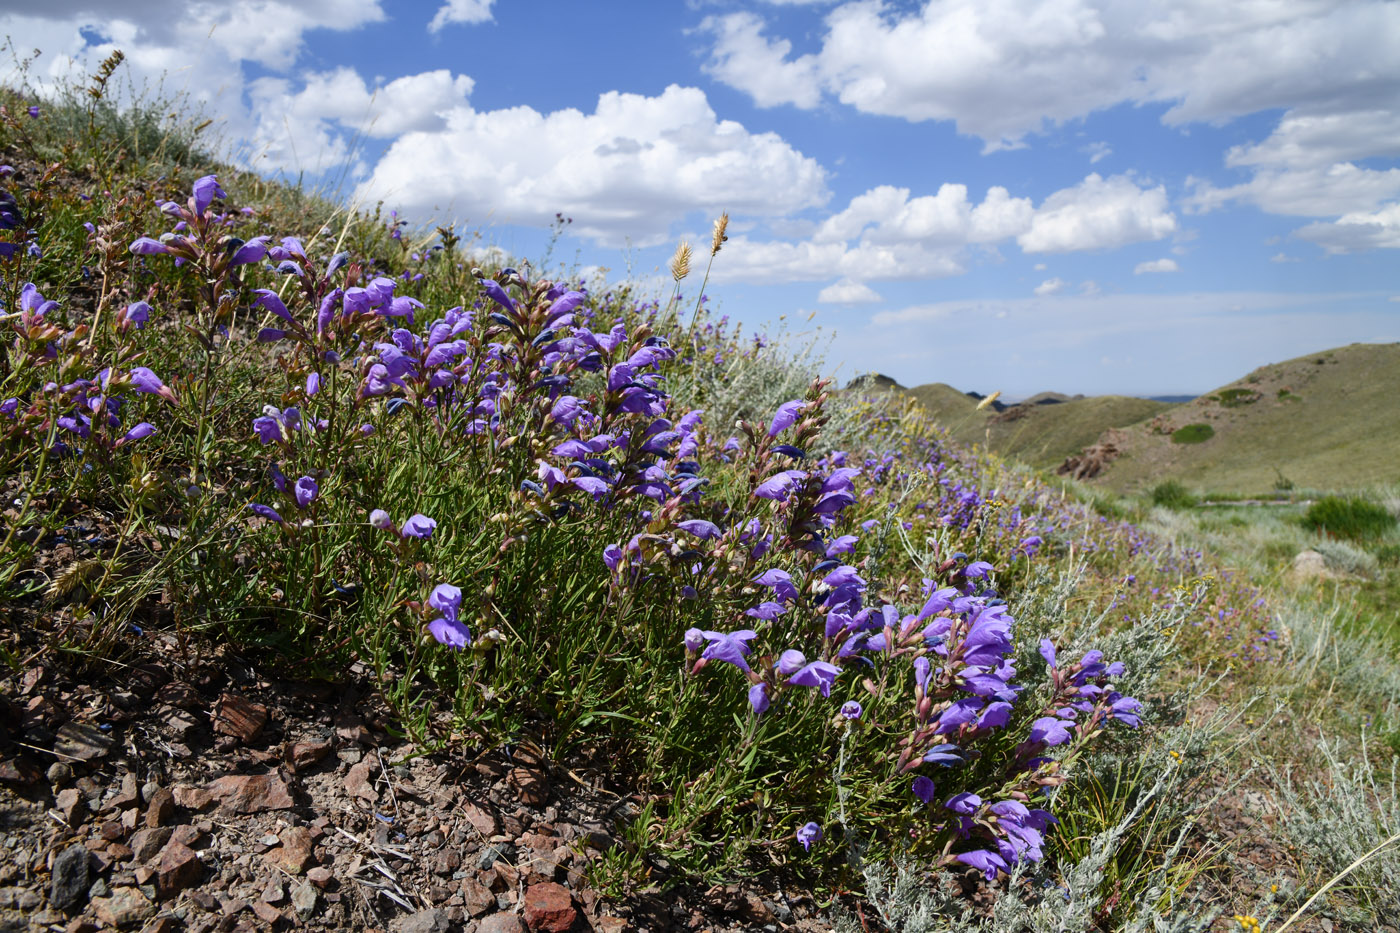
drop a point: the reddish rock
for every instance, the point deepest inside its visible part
(179, 868)
(191, 798)
(530, 784)
(165, 924)
(302, 755)
(20, 771)
(252, 793)
(549, 908)
(321, 877)
(239, 717)
(357, 782)
(609, 925)
(161, 809)
(294, 854)
(128, 796)
(478, 897)
(70, 805)
(188, 835)
(483, 821)
(147, 843)
(124, 909)
(267, 913)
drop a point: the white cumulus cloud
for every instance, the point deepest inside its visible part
(469, 12)
(1099, 213)
(848, 292)
(1156, 265)
(631, 168)
(1051, 287)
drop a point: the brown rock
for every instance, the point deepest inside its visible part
(118, 852)
(179, 869)
(128, 796)
(501, 923)
(530, 784)
(267, 913)
(147, 843)
(609, 925)
(82, 740)
(294, 854)
(124, 909)
(549, 908)
(357, 782)
(478, 897)
(70, 805)
(188, 835)
(161, 809)
(252, 793)
(302, 755)
(164, 924)
(321, 877)
(178, 693)
(191, 798)
(483, 821)
(239, 717)
(20, 771)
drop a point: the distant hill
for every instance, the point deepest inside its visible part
(1328, 420)
(1042, 430)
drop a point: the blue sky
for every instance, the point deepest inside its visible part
(1141, 197)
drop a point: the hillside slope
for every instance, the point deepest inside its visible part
(1041, 431)
(1328, 420)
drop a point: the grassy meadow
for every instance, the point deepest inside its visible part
(945, 691)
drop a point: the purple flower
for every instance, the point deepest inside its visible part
(730, 647)
(809, 834)
(965, 803)
(989, 863)
(145, 381)
(612, 556)
(418, 526)
(137, 313)
(700, 528)
(1047, 651)
(766, 610)
(1049, 730)
(790, 662)
(995, 716)
(842, 545)
(269, 300)
(380, 519)
(145, 246)
(758, 698)
(266, 511)
(785, 417)
(923, 789)
(305, 491)
(778, 485)
(206, 189)
(140, 432)
(945, 755)
(819, 674)
(448, 628)
(959, 714)
(1125, 710)
(694, 640)
(851, 709)
(252, 251)
(977, 570)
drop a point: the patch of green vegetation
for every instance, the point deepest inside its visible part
(1172, 495)
(1193, 434)
(1235, 398)
(1350, 517)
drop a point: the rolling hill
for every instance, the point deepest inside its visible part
(1328, 420)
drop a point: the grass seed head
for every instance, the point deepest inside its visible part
(721, 225)
(680, 261)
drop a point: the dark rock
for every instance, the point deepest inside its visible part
(20, 771)
(492, 853)
(433, 920)
(304, 900)
(501, 923)
(83, 741)
(71, 877)
(147, 843)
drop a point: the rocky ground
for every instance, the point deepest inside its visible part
(205, 796)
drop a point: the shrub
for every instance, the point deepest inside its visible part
(1349, 517)
(1172, 495)
(1193, 434)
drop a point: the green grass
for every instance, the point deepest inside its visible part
(1349, 517)
(1193, 434)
